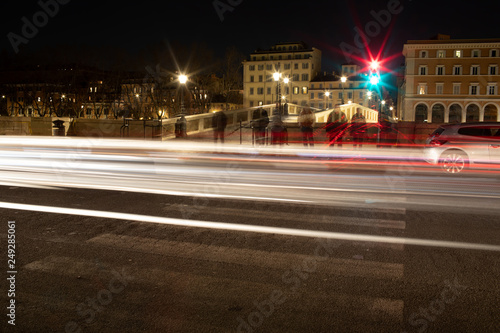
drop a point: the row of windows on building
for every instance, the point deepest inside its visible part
(349, 95)
(281, 57)
(320, 105)
(270, 67)
(286, 90)
(330, 86)
(458, 70)
(459, 53)
(474, 89)
(39, 99)
(269, 78)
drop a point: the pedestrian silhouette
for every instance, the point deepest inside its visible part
(335, 127)
(260, 120)
(306, 120)
(219, 123)
(357, 129)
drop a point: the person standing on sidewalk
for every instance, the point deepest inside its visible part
(358, 128)
(335, 127)
(306, 120)
(219, 123)
(260, 121)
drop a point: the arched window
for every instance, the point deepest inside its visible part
(455, 114)
(490, 112)
(438, 113)
(421, 113)
(472, 114)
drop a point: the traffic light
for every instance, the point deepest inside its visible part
(374, 72)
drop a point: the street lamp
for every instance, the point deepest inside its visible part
(327, 95)
(182, 80)
(279, 97)
(343, 79)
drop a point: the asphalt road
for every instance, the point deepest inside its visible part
(164, 241)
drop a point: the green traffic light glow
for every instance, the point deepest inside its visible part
(374, 80)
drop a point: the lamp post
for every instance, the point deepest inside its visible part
(182, 80)
(277, 77)
(343, 80)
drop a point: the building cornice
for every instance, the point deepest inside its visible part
(451, 46)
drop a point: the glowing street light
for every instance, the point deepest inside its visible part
(343, 79)
(183, 79)
(277, 76)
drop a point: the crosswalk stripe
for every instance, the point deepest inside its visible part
(326, 219)
(248, 257)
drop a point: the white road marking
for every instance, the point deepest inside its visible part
(252, 228)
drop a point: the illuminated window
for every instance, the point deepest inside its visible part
(295, 91)
(458, 53)
(304, 90)
(441, 54)
(422, 89)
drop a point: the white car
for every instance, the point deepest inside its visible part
(455, 147)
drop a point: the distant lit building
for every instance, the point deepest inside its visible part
(327, 90)
(294, 61)
(448, 81)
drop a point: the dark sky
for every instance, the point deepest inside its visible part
(252, 24)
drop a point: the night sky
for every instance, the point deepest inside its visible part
(135, 25)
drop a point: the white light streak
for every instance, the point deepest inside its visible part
(252, 228)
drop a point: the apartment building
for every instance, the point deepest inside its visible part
(450, 80)
(327, 90)
(296, 64)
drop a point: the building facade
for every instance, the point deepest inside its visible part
(450, 81)
(297, 65)
(328, 90)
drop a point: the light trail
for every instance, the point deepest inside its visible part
(252, 228)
